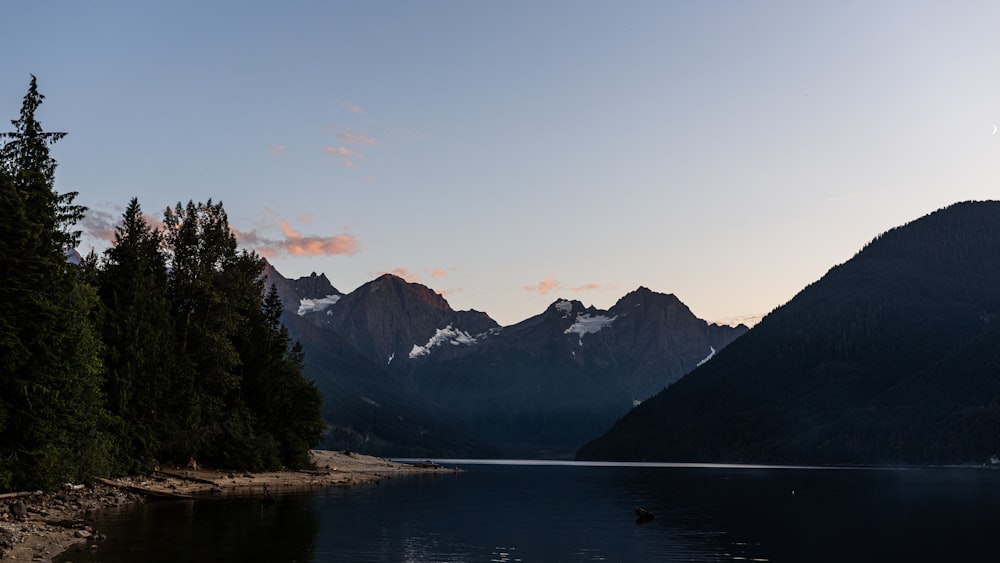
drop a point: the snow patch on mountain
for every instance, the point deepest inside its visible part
(317, 305)
(589, 324)
(566, 307)
(448, 335)
(709, 357)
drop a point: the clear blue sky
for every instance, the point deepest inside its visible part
(512, 153)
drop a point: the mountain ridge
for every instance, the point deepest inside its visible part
(853, 369)
(541, 386)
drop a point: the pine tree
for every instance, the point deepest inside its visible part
(137, 331)
(51, 414)
(250, 404)
(212, 289)
(288, 405)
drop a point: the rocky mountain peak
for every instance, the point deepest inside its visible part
(645, 297)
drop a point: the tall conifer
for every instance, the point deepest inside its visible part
(137, 331)
(51, 417)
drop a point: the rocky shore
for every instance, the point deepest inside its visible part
(38, 526)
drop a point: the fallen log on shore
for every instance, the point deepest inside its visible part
(143, 490)
(15, 495)
(186, 477)
(313, 472)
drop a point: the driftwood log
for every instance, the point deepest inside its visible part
(143, 490)
(185, 477)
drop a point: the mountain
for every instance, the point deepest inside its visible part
(387, 318)
(891, 358)
(366, 410)
(465, 385)
(306, 294)
(545, 385)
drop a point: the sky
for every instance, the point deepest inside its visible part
(509, 154)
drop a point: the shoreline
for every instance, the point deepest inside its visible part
(40, 526)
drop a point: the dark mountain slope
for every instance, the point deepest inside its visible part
(547, 384)
(890, 358)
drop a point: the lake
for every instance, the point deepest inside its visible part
(545, 511)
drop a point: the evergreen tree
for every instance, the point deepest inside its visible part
(51, 418)
(288, 405)
(249, 404)
(200, 248)
(137, 331)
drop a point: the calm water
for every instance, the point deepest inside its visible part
(504, 512)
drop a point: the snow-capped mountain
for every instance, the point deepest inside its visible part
(540, 387)
(391, 321)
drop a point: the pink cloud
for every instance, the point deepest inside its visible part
(438, 273)
(99, 225)
(306, 219)
(276, 150)
(345, 155)
(267, 252)
(245, 237)
(585, 287)
(353, 108)
(288, 231)
(356, 139)
(447, 292)
(294, 244)
(154, 222)
(314, 246)
(403, 272)
(343, 151)
(544, 286)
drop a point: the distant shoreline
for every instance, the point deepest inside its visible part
(48, 524)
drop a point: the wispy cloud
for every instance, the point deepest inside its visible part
(438, 273)
(548, 285)
(154, 222)
(356, 139)
(449, 291)
(276, 150)
(99, 224)
(347, 156)
(353, 108)
(543, 287)
(293, 243)
(402, 272)
(305, 219)
(288, 231)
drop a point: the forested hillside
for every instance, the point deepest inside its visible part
(892, 357)
(168, 347)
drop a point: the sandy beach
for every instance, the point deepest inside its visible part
(38, 526)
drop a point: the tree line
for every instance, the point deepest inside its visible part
(164, 348)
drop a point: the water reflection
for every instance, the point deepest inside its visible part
(585, 513)
(230, 529)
